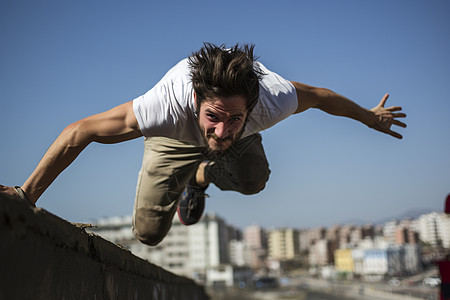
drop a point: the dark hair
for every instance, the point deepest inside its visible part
(218, 71)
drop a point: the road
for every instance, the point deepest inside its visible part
(275, 295)
(290, 294)
(330, 291)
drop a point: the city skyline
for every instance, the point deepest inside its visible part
(413, 216)
(259, 248)
(215, 253)
(63, 61)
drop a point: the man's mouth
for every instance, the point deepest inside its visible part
(217, 139)
(220, 143)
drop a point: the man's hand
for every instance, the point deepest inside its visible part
(8, 192)
(385, 118)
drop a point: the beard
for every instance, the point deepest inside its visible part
(212, 154)
(216, 152)
(222, 145)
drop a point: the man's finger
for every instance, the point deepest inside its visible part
(395, 134)
(394, 108)
(383, 101)
(398, 123)
(399, 115)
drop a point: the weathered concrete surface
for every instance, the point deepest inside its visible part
(45, 257)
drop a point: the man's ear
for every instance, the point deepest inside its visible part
(197, 107)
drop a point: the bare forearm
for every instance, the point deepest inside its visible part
(58, 157)
(338, 105)
(330, 102)
(113, 126)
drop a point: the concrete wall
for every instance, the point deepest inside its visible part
(45, 257)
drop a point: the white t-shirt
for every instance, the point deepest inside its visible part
(168, 109)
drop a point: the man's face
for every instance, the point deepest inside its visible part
(221, 119)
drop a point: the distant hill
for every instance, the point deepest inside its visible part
(411, 214)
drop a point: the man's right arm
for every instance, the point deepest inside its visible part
(113, 126)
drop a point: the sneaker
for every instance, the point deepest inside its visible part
(191, 205)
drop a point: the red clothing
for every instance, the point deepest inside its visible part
(447, 205)
(444, 269)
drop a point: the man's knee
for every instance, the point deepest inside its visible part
(151, 226)
(251, 189)
(254, 184)
(149, 238)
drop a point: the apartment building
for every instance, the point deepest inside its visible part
(240, 254)
(255, 238)
(303, 239)
(344, 236)
(412, 259)
(434, 228)
(115, 229)
(208, 243)
(404, 235)
(444, 229)
(316, 234)
(186, 250)
(343, 260)
(320, 253)
(333, 233)
(283, 244)
(389, 229)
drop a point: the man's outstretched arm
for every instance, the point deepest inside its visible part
(378, 118)
(113, 126)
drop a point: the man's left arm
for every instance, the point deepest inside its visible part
(378, 118)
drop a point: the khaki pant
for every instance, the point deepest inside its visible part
(167, 167)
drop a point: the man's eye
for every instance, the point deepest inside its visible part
(212, 117)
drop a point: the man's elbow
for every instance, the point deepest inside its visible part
(321, 98)
(77, 134)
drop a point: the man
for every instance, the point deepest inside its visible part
(200, 124)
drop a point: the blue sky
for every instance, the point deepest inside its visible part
(64, 60)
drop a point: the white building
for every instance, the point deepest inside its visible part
(434, 228)
(319, 253)
(228, 276)
(375, 263)
(395, 259)
(412, 259)
(172, 253)
(186, 250)
(389, 230)
(444, 229)
(358, 260)
(114, 229)
(391, 261)
(239, 253)
(208, 244)
(377, 242)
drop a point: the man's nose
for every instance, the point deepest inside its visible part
(221, 130)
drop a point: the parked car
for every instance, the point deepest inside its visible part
(431, 281)
(394, 282)
(266, 283)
